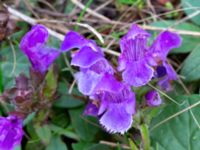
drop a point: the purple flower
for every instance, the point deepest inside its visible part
(33, 45)
(138, 61)
(153, 98)
(115, 109)
(11, 132)
(90, 59)
(113, 102)
(133, 60)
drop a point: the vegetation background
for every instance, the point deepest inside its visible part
(172, 126)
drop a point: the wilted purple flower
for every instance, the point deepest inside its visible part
(33, 44)
(90, 59)
(153, 98)
(11, 132)
(133, 60)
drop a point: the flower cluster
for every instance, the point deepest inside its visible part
(24, 96)
(112, 100)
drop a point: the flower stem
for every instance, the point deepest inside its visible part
(145, 136)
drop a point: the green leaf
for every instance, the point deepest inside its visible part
(31, 131)
(29, 118)
(81, 145)
(99, 147)
(44, 133)
(56, 143)
(32, 144)
(64, 131)
(189, 43)
(60, 118)
(90, 146)
(67, 100)
(10, 68)
(181, 132)
(189, 4)
(191, 67)
(51, 80)
(84, 126)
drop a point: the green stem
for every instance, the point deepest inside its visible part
(68, 64)
(145, 136)
(132, 145)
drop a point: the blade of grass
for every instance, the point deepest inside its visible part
(82, 13)
(162, 93)
(176, 114)
(14, 56)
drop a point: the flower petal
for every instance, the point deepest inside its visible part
(165, 83)
(42, 58)
(171, 73)
(164, 42)
(91, 109)
(117, 109)
(134, 44)
(116, 119)
(73, 40)
(34, 38)
(108, 83)
(86, 57)
(33, 46)
(87, 81)
(138, 73)
(135, 31)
